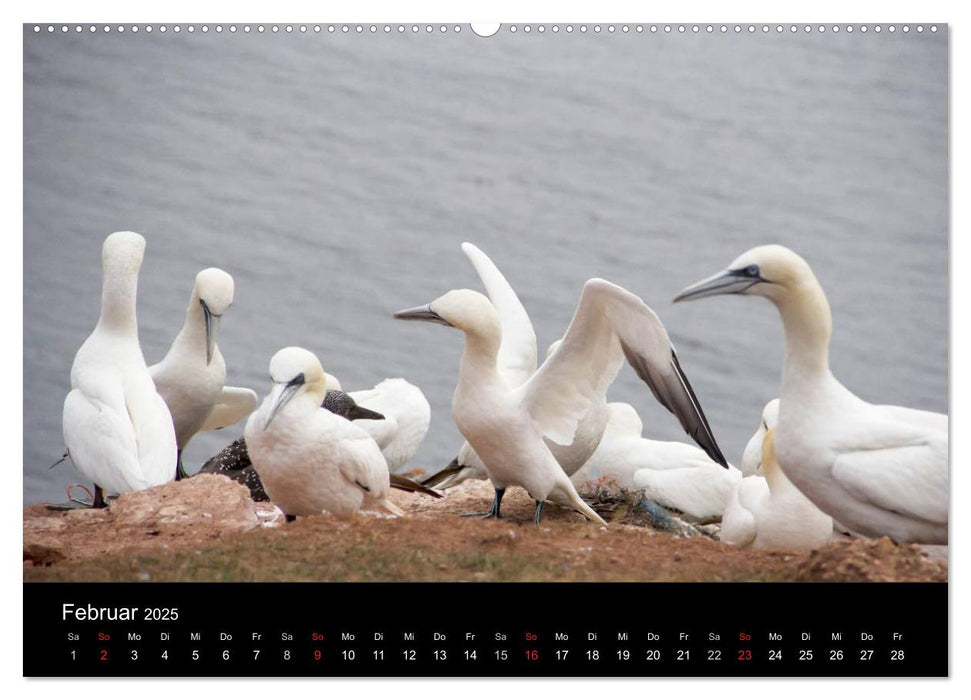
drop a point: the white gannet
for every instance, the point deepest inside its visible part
(406, 417)
(117, 428)
(233, 461)
(191, 375)
(516, 363)
(752, 456)
(676, 475)
(309, 459)
(769, 512)
(506, 426)
(878, 470)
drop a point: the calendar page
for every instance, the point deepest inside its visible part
(592, 349)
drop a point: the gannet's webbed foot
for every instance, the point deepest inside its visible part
(492, 512)
(95, 500)
(538, 513)
(290, 518)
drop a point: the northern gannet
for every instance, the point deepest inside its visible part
(309, 459)
(234, 461)
(506, 426)
(676, 475)
(516, 362)
(117, 428)
(769, 512)
(405, 423)
(191, 375)
(878, 470)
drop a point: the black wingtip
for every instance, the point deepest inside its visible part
(438, 477)
(706, 440)
(403, 483)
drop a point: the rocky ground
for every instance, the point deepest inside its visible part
(207, 529)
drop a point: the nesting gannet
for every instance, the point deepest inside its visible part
(191, 375)
(678, 476)
(769, 512)
(234, 461)
(878, 470)
(117, 428)
(506, 426)
(406, 418)
(752, 456)
(309, 459)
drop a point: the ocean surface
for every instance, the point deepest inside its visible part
(335, 176)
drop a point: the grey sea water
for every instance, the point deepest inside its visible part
(335, 176)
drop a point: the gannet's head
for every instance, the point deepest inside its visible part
(464, 309)
(331, 382)
(214, 289)
(771, 271)
(553, 346)
(343, 405)
(622, 418)
(122, 253)
(293, 371)
(752, 457)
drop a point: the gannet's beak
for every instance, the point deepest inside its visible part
(212, 328)
(281, 394)
(421, 313)
(361, 413)
(725, 282)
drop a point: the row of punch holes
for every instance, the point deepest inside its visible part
(512, 28)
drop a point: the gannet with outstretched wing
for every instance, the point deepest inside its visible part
(878, 470)
(507, 426)
(117, 428)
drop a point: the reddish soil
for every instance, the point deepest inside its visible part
(207, 529)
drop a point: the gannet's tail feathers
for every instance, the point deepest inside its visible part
(587, 511)
(441, 478)
(565, 494)
(403, 483)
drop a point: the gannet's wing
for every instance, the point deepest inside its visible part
(906, 473)
(234, 404)
(382, 431)
(100, 436)
(918, 418)
(517, 352)
(609, 324)
(407, 418)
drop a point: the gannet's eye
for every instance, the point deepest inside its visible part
(752, 270)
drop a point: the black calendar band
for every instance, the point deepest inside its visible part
(435, 629)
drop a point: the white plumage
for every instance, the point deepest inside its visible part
(309, 459)
(878, 470)
(407, 416)
(507, 426)
(191, 375)
(516, 363)
(769, 512)
(752, 457)
(676, 475)
(117, 428)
